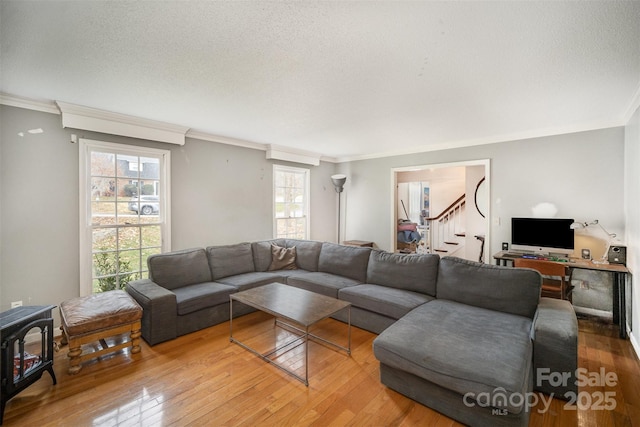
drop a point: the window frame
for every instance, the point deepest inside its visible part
(86, 147)
(306, 202)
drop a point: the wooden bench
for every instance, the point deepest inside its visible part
(96, 317)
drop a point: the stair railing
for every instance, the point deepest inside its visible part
(445, 226)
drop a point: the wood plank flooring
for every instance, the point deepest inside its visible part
(204, 380)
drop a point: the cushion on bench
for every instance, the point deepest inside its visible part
(96, 312)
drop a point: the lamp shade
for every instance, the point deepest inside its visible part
(338, 182)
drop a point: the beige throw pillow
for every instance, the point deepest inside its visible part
(283, 258)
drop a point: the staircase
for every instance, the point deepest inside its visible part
(446, 232)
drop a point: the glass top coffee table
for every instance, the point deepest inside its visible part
(293, 309)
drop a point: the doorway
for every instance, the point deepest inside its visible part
(459, 186)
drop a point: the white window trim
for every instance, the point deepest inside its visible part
(307, 191)
(85, 146)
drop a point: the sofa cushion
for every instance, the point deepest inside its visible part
(323, 283)
(555, 345)
(387, 301)
(307, 253)
(506, 289)
(262, 253)
(229, 260)
(416, 273)
(285, 274)
(251, 280)
(347, 261)
(173, 270)
(462, 348)
(202, 295)
(283, 258)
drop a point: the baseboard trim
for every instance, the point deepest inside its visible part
(635, 345)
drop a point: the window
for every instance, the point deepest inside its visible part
(124, 211)
(291, 202)
(136, 166)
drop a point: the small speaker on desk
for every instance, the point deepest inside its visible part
(617, 254)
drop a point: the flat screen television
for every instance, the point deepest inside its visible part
(542, 235)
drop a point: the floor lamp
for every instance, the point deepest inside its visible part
(338, 183)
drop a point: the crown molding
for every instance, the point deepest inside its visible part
(204, 136)
(329, 159)
(539, 133)
(275, 152)
(93, 119)
(29, 104)
(80, 117)
(633, 106)
(278, 152)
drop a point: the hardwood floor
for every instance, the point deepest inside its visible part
(203, 379)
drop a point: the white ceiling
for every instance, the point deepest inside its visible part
(343, 78)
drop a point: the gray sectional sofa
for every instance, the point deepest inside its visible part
(470, 340)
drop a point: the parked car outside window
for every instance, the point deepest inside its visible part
(146, 206)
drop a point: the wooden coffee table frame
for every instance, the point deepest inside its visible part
(291, 306)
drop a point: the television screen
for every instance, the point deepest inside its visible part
(545, 235)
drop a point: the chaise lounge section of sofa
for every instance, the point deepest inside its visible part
(472, 353)
(464, 338)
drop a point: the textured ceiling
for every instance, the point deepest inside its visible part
(345, 79)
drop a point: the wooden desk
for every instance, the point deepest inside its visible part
(618, 271)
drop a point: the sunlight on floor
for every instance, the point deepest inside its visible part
(144, 410)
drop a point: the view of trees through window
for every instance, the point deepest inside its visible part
(291, 188)
(126, 217)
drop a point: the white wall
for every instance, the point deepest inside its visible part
(632, 216)
(581, 173)
(220, 194)
(475, 223)
(39, 191)
(445, 185)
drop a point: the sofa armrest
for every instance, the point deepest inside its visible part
(555, 348)
(159, 310)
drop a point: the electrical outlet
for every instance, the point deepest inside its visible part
(15, 304)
